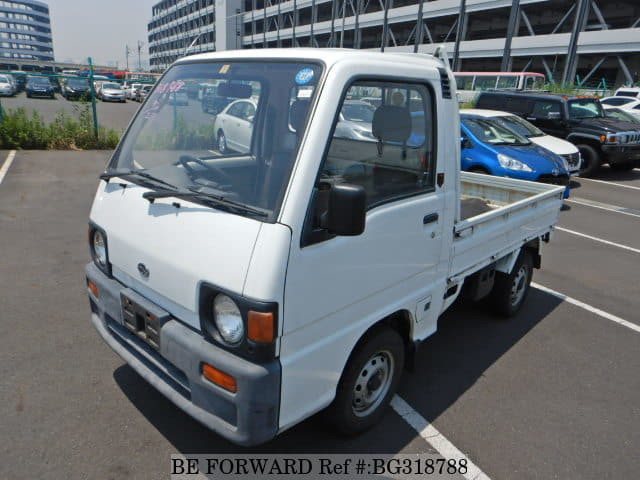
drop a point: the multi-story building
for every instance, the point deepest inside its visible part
(568, 40)
(25, 30)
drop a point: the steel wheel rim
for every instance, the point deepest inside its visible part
(222, 142)
(518, 287)
(372, 383)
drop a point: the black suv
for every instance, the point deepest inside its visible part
(579, 119)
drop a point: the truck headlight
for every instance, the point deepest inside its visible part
(99, 248)
(228, 319)
(513, 164)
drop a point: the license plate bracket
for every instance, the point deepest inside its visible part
(142, 318)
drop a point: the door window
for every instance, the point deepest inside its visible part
(237, 109)
(545, 109)
(388, 150)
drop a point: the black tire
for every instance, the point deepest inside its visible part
(622, 166)
(590, 160)
(510, 290)
(381, 345)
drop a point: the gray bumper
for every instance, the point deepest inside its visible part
(248, 417)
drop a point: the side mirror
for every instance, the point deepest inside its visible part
(465, 143)
(347, 210)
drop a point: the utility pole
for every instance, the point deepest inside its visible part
(127, 53)
(140, 44)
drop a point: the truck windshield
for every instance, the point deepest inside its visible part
(244, 152)
(585, 108)
(491, 131)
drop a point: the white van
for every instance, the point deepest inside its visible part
(258, 287)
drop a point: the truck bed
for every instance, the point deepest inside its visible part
(498, 215)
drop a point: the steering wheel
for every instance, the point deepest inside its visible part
(185, 160)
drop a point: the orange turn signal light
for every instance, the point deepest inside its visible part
(219, 378)
(261, 327)
(94, 288)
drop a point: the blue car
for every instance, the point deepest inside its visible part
(490, 147)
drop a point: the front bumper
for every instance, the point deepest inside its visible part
(247, 417)
(622, 153)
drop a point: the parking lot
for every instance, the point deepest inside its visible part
(110, 115)
(552, 393)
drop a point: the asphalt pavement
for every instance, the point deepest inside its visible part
(552, 393)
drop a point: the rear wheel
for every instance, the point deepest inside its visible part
(510, 290)
(221, 142)
(590, 160)
(368, 382)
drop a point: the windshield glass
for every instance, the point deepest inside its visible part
(358, 112)
(585, 108)
(519, 125)
(491, 131)
(78, 83)
(621, 115)
(240, 146)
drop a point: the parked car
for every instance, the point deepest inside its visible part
(112, 92)
(212, 102)
(234, 126)
(577, 118)
(7, 86)
(356, 117)
(39, 87)
(615, 112)
(130, 90)
(565, 149)
(76, 88)
(20, 78)
(179, 98)
(141, 93)
(629, 104)
(628, 92)
(488, 146)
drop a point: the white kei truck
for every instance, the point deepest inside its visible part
(269, 268)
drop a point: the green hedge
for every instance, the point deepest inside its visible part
(19, 130)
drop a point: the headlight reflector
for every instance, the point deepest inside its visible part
(99, 246)
(513, 164)
(228, 319)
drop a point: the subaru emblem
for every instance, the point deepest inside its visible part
(144, 271)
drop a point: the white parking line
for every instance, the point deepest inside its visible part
(610, 183)
(7, 163)
(601, 240)
(434, 438)
(605, 206)
(589, 308)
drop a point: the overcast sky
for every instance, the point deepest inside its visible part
(100, 29)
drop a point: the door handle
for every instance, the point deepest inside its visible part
(432, 217)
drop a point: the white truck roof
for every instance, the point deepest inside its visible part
(329, 56)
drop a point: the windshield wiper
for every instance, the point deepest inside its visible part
(208, 198)
(106, 176)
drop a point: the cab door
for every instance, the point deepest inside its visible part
(338, 286)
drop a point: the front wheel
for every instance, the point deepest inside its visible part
(590, 160)
(368, 382)
(510, 290)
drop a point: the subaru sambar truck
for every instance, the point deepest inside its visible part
(299, 270)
